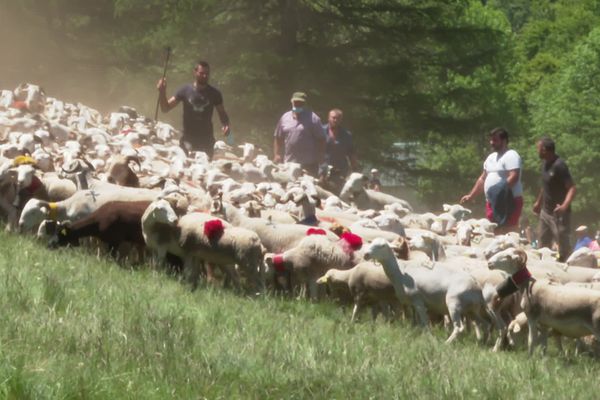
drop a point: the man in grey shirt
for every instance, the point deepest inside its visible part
(299, 136)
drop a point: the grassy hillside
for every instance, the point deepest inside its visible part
(73, 326)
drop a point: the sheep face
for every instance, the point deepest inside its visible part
(583, 257)
(379, 249)
(510, 260)
(34, 212)
(498, 244)
(161, 212)
(62, 236)
(457, 211)
(355, 183)
(25, 175)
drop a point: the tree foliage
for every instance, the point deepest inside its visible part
(431, 76)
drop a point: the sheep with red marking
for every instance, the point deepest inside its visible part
(201, 238)
(313, 256)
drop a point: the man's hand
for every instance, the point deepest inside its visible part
(225, 129)
(537, 207)
(561, 209)
(162, 85)
(277, 159)
(466, 198)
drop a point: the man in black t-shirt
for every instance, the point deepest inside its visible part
(553, 203)
(199, 99)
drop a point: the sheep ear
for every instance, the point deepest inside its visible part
(446, 207)
(522, 256)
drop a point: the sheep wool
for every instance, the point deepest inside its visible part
(213, 229)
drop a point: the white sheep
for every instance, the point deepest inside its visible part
(570, 311)
(199, 237)
(275, 237)
(583, 257)
(368, 285)
(312, 257)
(354, 191)
(439, 290)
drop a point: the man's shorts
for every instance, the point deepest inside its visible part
(513, 220)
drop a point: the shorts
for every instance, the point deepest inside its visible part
(513, 220)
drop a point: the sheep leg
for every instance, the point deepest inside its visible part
(456, 318)
(355, 312)
(191, 268)
(500, 327)
(232, 277)
(543, 339)
(532, 337)
(313, 290)
(421, 312)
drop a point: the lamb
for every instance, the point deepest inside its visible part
(364, 199)
(368, 285)
(569, 311)
(439, 290)
(199, 237)
(313, 256)
(113, 223)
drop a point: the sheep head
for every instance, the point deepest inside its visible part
(510, 260)
(160, 211)
(379, 250)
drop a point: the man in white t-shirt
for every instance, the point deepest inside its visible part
(502, 167)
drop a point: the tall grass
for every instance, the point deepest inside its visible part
(75, 327)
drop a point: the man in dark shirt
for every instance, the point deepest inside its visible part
(339, 151)
(199, 99)
(553, 203)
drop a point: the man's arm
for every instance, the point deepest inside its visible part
(476, 190)
(224, 118)
(537, 206)
(277, 149)
(165, 105)
(513, 177)
(561, 208)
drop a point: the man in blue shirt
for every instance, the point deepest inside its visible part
(299, 136)
(339, 152)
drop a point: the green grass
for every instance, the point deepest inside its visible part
(73, 326)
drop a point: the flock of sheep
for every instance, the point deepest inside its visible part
(68, 173)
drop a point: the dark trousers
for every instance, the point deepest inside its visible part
(187, 146)
(312, 169)
(556, 228)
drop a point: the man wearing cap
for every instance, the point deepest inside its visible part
(374, 182)
(583, 237)
(299, 136)
(339, 151)
(553, 203)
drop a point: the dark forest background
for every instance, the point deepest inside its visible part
(421, 82)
